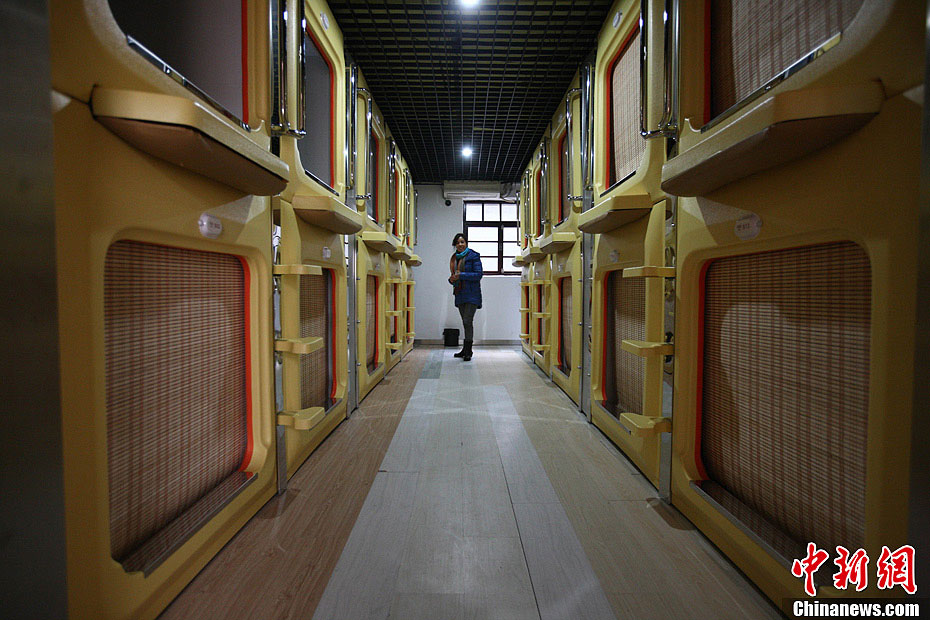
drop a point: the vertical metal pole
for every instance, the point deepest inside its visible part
(668, 366)
(587, 258)
(352, 311)
(280, 434)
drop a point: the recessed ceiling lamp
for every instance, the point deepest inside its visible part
(466, 151)
(469, 3)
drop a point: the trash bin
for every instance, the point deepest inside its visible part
(450, 337)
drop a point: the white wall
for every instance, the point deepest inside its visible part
(499, 317)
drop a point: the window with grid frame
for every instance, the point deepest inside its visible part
(493, 230)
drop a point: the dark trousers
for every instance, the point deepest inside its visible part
(468, 316)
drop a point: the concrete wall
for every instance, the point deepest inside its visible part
(499, 318)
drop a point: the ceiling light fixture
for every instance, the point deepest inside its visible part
(466, 151)
(469, 3)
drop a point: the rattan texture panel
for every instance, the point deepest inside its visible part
(174, 348)
(371, 327)
(628, 146)
(565, 333)
(786, 384)
(491, 76)
(752, 41)
(625, 373)
(316, 379)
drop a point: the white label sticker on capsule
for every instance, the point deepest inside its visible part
(748, 227)
(325, 19)
(210, 226)
(617, 17)
(327, 252)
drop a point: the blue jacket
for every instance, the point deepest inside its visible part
(470, 280)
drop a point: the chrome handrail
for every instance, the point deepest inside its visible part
(587, 127)
(416, 223)
(544, 147)
(408, 196)
(392, 168)
(351, 120)
(668, 125)
(368, 116)
(526, 203)
(569, 138)
(283, 126)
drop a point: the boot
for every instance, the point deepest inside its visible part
(467, 351)
(462, 352)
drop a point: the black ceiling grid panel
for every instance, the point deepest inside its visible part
(490, 76)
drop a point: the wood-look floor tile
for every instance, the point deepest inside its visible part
(499, 581)
(428, 606)
(564, 582)
(488, 511)
(362, 584)
(433, 563)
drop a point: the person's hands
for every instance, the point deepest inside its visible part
(454, 277)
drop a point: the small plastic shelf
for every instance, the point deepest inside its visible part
(649, 271)
(524, 336)
(540, 315)
(394, 312)
(557, 242)
(298, 346)
(410, 308)
(395, 280)
(525, 283)
(327, 212)
(297, 270)
(302, 420)
(540, 348)
(402, 253)
(394, 346)
(410, 282)
(778, 129)
(614, 212)
(642, 348)
(187, 134)
(533, 253)
(518, 261)
(380, 241)
(525, 310)
(411, 334)
(414, 261)
(644, 425)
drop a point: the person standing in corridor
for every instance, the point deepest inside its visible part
(465, 266)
